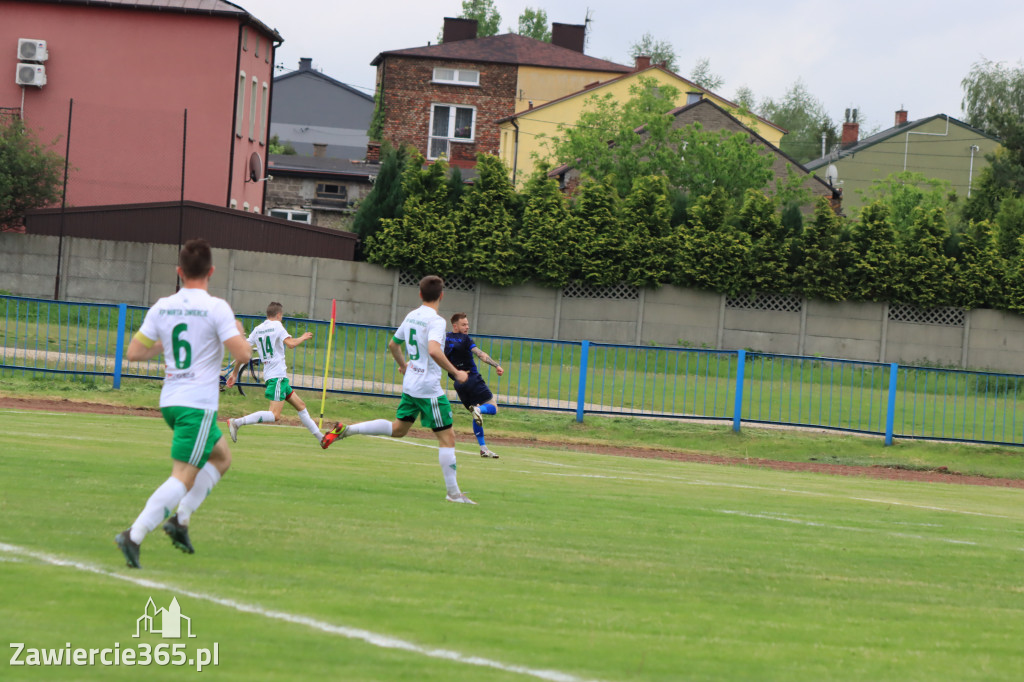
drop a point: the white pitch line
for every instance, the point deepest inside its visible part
(372, 638)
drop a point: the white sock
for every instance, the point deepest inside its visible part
(308, 422)
(446, 458)
(158, 507)
(377, 427)
(264, 417)
(205, 480)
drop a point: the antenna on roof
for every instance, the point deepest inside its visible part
(586, 28)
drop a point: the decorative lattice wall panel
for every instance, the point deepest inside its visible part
(776, 303)
(618, 292)
(453, 283)
(947, 317)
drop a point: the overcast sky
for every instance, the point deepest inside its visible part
(875, 55)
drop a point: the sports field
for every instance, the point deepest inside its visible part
(348, 564)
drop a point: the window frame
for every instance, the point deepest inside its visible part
(308, 215)
(240, 105)
(453, 109)
(455, 77)
(265, 109)
(254, 113)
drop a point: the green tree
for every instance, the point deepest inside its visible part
(711, 254)
(423, 239)
(601, 234)
(926, 279)
(376, 130)
(30, 174)
(767, 266)
(551, 248)
(979, 270)
(533, 23)
(386, 198)
(905, 192)
(804, 116)
(274, 146)
(702, 75)
(660, 51)
(819, 254)
(1014, 300)
(646, 212)
(486, 217)
(874, 255)
(993, 96)
(486, 14)
(1010, 227)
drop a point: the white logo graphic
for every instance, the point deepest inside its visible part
(169, 620)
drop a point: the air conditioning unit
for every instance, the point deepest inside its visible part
(30, 74)
(32, 50)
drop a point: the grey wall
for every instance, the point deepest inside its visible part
(309, 107)
(138, 274)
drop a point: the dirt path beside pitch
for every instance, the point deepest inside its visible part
(890, 473)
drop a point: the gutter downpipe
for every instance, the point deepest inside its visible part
(515, 152)
(234, 115)
(906, 147)
(970, 173)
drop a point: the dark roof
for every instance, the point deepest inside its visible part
(595, 86)
(212, 7)
(508, 48)
(320, 165)
(328, 79)
(885, 135)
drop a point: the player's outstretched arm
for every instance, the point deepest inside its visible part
(292, 342)
(488, 360)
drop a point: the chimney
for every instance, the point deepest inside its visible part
(458, 29)
(642, 62)
(306, 64)
(319, 149)
(901, 117)
(569, 36)
(851, 133)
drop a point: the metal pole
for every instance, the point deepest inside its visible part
(63, 202)
(582, 383)
(737, 410)
(890, 412)
(181, 200)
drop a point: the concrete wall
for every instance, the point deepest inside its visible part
(139, 274)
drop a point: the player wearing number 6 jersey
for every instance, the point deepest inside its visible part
(422, 334)
(191, 329)
(271, 338)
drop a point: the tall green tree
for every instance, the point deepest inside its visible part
(1010, 227)
(646, 212)
(533, 23)
(711, 254)
(979, 270)
(660, 51)
(926, 278)
(819, 252)
(30, 174)
(993, 95)
(551, 248)
(386, 198)
(874, 255)
(702, 75)
(767, 266)
(596, 217)
(805, 117)
(905, 192)
(487, 218)
(488, 20)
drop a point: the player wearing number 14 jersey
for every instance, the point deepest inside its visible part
(271, 338)
(422, 334)
(191, 329)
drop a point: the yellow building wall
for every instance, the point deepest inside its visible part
(541, 85)
(520, 158)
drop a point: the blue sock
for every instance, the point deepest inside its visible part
(479, 431)
(488, 408)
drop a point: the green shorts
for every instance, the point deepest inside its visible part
(195, 433)
(435, 413)
(278, 389)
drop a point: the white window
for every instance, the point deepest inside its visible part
(287, 214)
(456, 76)
(450, 123)
(240, 104)
(263, 128)
(254, 114)
(694, 97)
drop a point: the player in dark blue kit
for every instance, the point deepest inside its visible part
(474, 394)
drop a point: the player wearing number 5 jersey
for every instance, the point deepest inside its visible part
(271, 338)
(191, 329)
(422, 334)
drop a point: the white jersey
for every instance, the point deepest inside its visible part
(192, 326)
(268, 337)
(422, 375)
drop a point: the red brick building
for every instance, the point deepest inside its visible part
(446, 99)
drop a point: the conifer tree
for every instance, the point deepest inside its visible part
(1010, 226)
(926, 278)
(874, 255)
(646, 214)
(386, 198)
(767, 266)
(819, 257)
(712, 254)
(551, 248)
(980, 271)
(596, 219)
(486, 217)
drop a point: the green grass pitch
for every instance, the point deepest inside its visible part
(349, 565)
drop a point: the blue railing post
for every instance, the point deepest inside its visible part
(890, 410)
(122, 319)
(582, 383)
(737, 410)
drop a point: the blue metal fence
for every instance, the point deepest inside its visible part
(890, 400)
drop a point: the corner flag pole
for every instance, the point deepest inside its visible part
(327, 362)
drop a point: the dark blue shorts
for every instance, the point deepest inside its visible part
(474, 391)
